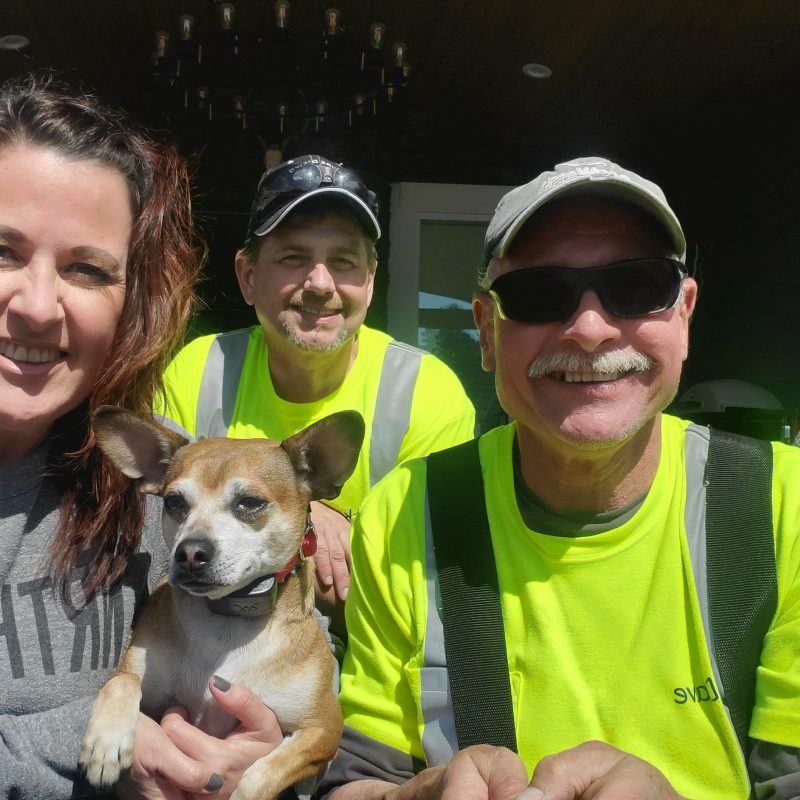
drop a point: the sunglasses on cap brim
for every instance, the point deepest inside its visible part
(634, 288)
(293, 180)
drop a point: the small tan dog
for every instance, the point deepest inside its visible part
(240, 598)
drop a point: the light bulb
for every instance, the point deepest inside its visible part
(399, 53)
(283, 110)
(377, 35)
(272, 157)
(186, 26)
(333, 18)
(227, 13)
(162, 44)
(282, 9)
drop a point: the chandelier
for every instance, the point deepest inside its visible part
(275, 81)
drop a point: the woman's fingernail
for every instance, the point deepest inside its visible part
(214, 782)
(223, 686)
(530, 794)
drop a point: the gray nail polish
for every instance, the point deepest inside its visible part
(222, 685)
(214, 783)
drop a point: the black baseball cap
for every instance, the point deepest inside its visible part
(285, 187)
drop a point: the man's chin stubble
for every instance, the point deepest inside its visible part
(313, 346)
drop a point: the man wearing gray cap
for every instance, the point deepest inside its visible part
(597, 600)
(307, 266)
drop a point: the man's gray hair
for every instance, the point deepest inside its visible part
(483, 279)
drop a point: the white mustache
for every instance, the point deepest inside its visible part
(614, 361)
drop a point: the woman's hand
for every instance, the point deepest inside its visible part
(177, 761)
(256, 736)
(160, 771)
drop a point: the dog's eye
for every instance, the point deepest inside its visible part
(248, 505)
(175, 505)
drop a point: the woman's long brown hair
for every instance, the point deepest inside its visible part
(101, 513)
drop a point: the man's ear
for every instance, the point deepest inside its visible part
(324, 454)
(690, 290)
(138, 446)
(686, 310)
(483, 312)
(245, 274)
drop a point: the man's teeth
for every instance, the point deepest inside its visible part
(587, 377)
(320, 312)
(31, 355)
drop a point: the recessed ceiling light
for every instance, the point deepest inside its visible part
(538, 71)
(14, 42)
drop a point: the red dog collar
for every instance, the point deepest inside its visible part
(258, 598)
(307, 549)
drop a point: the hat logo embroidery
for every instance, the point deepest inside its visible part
(555, 181)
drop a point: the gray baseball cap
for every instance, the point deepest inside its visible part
(589, 175)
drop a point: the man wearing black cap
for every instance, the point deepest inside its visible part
(308, 266)
(597, 595)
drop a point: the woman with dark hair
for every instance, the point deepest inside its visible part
(97, 267)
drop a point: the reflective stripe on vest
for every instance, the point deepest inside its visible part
(401, 364)
(439, 741)
(439, 726)
(696, 457)
(220, 383)
(219, 386)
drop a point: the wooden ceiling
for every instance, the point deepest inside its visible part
(647, 76)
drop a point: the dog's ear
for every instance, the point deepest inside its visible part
(138, 446)
(325, 454)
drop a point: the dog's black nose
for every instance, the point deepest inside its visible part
(194, 554)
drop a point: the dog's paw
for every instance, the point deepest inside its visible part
(107, 752)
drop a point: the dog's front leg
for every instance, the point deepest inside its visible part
(108, 744)
(302, 755)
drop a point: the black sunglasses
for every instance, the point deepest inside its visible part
(290, 181)
(633, 288)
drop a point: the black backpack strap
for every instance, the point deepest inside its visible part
(740, 565)
(472, 620)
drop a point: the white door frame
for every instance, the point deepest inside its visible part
(411, 204)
